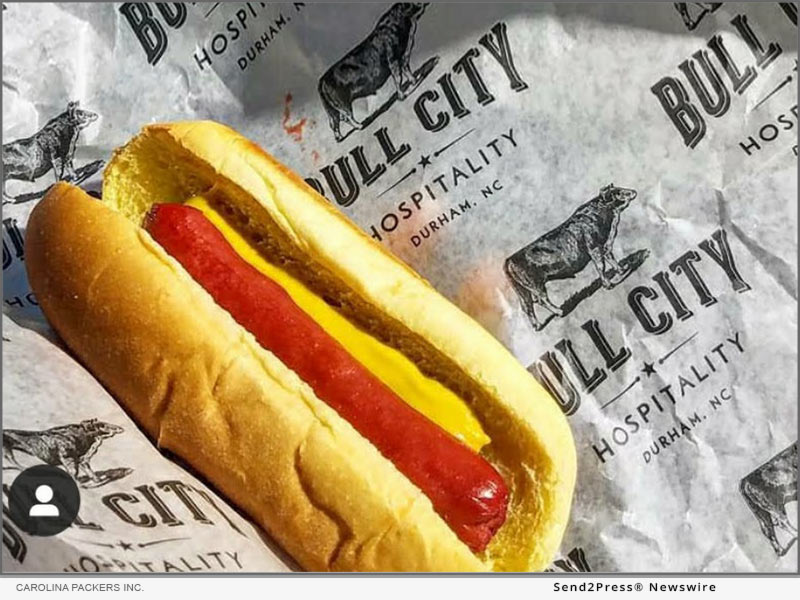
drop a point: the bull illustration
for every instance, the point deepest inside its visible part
(384, 53)
(586, 236)
(768, 490)
(52, 148)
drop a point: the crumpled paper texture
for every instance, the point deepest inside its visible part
(141, 512)
(610, 189)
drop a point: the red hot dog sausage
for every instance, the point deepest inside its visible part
(465, 490)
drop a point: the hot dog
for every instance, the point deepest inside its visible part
(464, 489)
(248, 371)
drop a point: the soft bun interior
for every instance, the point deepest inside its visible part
(296, 228)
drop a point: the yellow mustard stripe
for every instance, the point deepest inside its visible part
(392, 367)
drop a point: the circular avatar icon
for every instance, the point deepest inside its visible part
(43, 500)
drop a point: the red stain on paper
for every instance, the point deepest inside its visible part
(315, 157)
(482, 291)
(295, 130)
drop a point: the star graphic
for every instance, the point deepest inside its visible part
(648, 369)
(125, 545)
(424, 160)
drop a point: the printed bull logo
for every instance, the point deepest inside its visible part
(767, 491)
(456, 93)
(70, 447)
(586, 236)
(385, 53)
(52, 148)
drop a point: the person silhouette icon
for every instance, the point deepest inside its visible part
(44, 494)
(43, 500)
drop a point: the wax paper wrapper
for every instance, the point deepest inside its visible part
(140, 512)
(610, 189)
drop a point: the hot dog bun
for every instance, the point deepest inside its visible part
(202, 387)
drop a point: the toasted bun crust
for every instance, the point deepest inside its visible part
(204, 389)
(202, 386)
